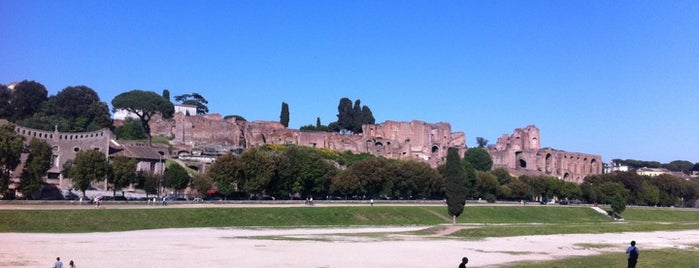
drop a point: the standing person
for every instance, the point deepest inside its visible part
(71, 264)
(463, 263)
(58, 263)
(632, 253)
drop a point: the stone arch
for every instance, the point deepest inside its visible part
(521, 163)
(548, 163)
(593, 166)
(566, 176)
(435, 149)
(379, 146)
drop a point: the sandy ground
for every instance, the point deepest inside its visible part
(346, 247)
(310, 247)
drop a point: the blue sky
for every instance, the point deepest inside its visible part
(614, 78)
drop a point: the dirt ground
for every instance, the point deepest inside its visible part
(310, 247)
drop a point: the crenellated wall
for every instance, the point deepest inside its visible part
(65, 145)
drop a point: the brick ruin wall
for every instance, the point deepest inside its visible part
(521, 153)
(397, 140)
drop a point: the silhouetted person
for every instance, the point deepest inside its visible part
(632, 253)
(71, 264)
(463, 263)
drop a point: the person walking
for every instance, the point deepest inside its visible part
(632, 253)
(71, 264)
(463, 263)
(58, 263)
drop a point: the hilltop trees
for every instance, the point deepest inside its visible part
(194, 99)
(143, 104)
(27, 99)
(351, 118)
(284, 117)
(74, 109)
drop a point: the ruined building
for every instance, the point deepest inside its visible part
(398, 140)
(521, 153)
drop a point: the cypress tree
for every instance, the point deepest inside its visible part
(284, 117)
(455, 182)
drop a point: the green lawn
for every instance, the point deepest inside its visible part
(489, 220)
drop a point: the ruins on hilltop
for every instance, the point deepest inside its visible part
(521, 154)
(196, 135)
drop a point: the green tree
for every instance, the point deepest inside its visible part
(455, 182)
(202, 183)
(503, 175)
(367, 116)
(482, 142)
(226, 174)
(147, 181)
(123, 173)
(130, 130)
(618, 203)
(571, 191)
(176, 177)
(650, 194)
(418, 179)
(194, 99)
(27, 99)
(487, 185)
(479, 158)
(143, 104)
(284, 117)
(5, 104)
(10, 152)
(88, 166)
(38, 163)
(344, 114)
(166, 94)
(357, 117)
(258, 170)
(680, 165)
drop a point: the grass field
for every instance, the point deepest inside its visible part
(488, 220)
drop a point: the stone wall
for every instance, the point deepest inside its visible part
(521, 153)
(66, 145)
(398, 140)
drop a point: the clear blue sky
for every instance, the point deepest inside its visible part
(615, 78)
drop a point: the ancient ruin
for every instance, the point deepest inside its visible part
(521, 153)
(398, 140)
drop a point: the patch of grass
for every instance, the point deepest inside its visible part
(688, 258)
(596, 246)
(482, 231)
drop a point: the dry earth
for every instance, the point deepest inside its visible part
(310, 248)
